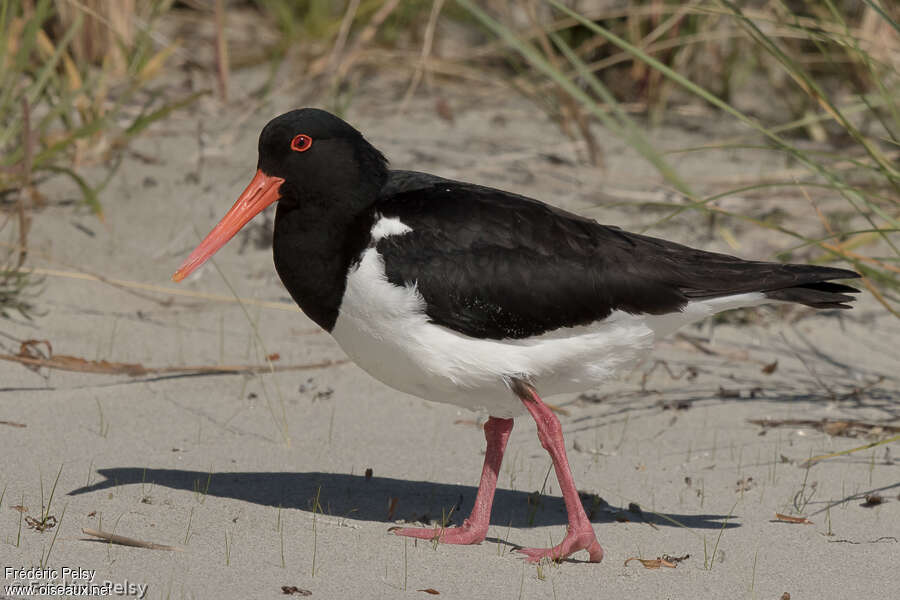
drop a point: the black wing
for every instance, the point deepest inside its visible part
(492, 264)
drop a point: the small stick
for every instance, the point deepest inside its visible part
(127, 541)
(790, 519)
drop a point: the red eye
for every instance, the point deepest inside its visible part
(301, 143)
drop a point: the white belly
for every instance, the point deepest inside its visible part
(384, 329)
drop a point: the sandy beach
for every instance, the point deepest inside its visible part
(283, 479)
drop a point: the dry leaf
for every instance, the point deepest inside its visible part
(835, 427)
(652, 563)
(873, 500)
(770, 368)
(293, 590)
(431, 591)
(676, 559)
(48, 522)
(30, 348)
(744, 485)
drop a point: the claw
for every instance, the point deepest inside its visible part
(570, 545)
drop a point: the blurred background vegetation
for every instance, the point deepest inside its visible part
(813, 80)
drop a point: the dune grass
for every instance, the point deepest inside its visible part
(831, 70)
(60, 114)
(835, 71)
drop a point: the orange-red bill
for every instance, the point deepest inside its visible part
(262, 191)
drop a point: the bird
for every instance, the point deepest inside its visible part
(482, 298)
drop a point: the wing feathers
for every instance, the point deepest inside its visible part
(494, 264)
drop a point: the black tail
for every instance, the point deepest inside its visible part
(697, 274)
(804, 284)
(819, 294)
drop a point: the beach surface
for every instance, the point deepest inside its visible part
(225, 424)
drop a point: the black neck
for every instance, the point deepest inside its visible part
(314, 254)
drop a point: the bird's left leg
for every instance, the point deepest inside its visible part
(580, 535)
(475, 528)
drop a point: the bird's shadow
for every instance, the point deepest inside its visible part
(384, 499)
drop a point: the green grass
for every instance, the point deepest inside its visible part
(708, 561)
(45, 558)
(45, 510)
(187, 533)
(317, 508)
(201, 488)
(103, 424)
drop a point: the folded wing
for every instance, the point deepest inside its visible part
(492, 264)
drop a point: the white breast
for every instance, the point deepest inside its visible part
(384, 329)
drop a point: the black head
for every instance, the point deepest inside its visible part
(312, 163)
(320, 156)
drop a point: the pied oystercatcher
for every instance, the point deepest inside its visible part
(478, 297)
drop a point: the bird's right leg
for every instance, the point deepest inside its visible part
(475, 528)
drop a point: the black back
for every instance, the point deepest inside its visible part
(492, 264)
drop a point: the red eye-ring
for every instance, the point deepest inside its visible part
(301, 143)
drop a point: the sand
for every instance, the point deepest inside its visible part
(228, 467)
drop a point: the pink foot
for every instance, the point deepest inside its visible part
(573, 542)
(580, 534)
(464, 535)
(475, 528)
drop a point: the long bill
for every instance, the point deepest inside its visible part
(262, 191)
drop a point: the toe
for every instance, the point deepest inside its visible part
(422, 533)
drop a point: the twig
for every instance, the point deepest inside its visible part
(127, 541)
(815, 459)
(221, 50)
(27, 153)
(427, 43)
(76, 364)
(366, 36)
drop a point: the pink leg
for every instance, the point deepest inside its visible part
(475, 528)
(580, 534)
